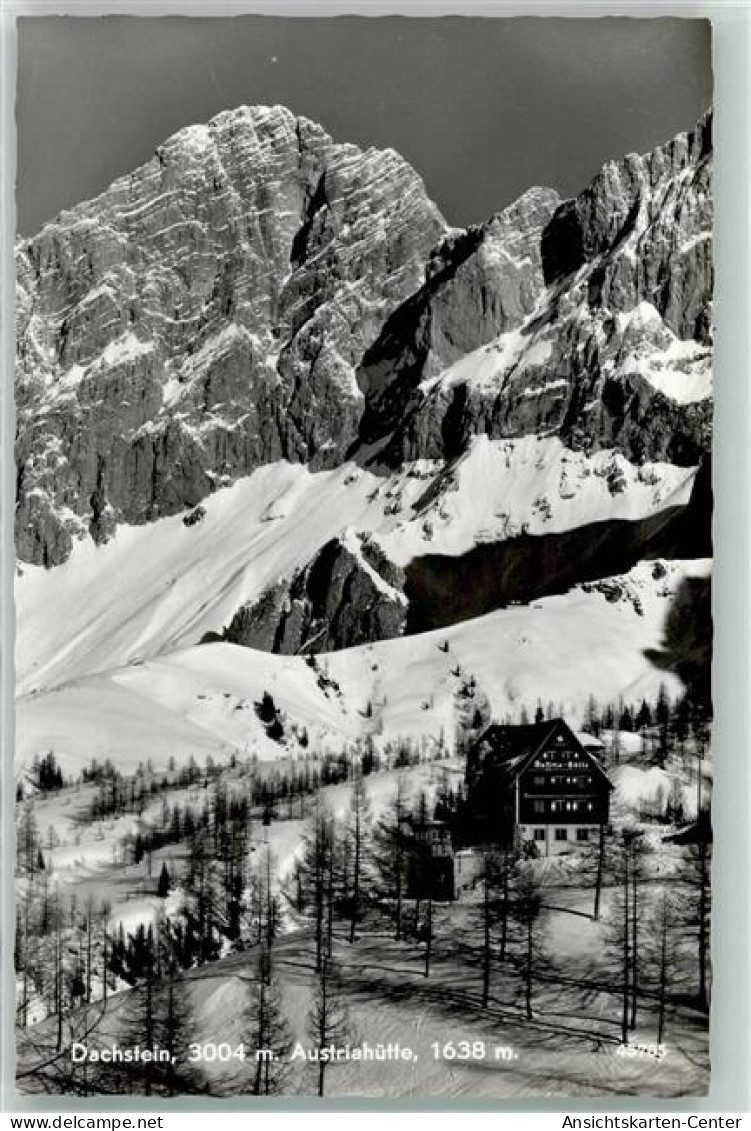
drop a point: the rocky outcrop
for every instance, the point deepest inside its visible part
(347, 594)
(644, 225)
(614, 346)
(205, 315)
(479, 283)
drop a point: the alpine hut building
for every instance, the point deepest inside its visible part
(535, 783)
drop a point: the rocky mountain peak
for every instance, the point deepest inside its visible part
(608, 340)
(204, 315)
(650, 216)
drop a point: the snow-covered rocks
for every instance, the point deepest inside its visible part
(258, 292)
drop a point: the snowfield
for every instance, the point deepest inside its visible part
(200, 700)
(680, 370)
(89, 858)
(569, 1047)
(159, 588)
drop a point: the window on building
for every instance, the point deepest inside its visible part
(561, 834)
(538, 779)
(538, 806)
(582, 834)
(539, 834)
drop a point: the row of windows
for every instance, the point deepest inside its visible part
(434, 834)
(563, 806)
(562, 834)
(555, 779)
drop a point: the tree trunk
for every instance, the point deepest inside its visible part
(89, 915)
(355, 881)
(504, 912)
(429, 940)
(528, 972)
(398, 933)
(59, 986)
(703, 940)
(24, 958)
(320, 898)
(634, 946)
(598, 878)
(260, 1041)
(486, 955)
(626, 956)
(330, 908)
(270, 916)
(104, 962)
(663, 976)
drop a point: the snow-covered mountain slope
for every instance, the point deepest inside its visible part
(201, 700)
(162, 586)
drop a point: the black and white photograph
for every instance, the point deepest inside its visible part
(363, 541)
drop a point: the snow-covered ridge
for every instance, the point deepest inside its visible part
(200, 700)
(353, 543)
(679, 369)
(162, 586)
(643, 345)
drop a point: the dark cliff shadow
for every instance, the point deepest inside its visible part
(443, 590)
(688, 632)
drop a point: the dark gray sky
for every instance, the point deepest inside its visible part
(483, 108)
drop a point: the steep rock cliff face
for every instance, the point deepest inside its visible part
(480, 283)
(349, 592)
(205, 315)
(616, 351)
(645, 225)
